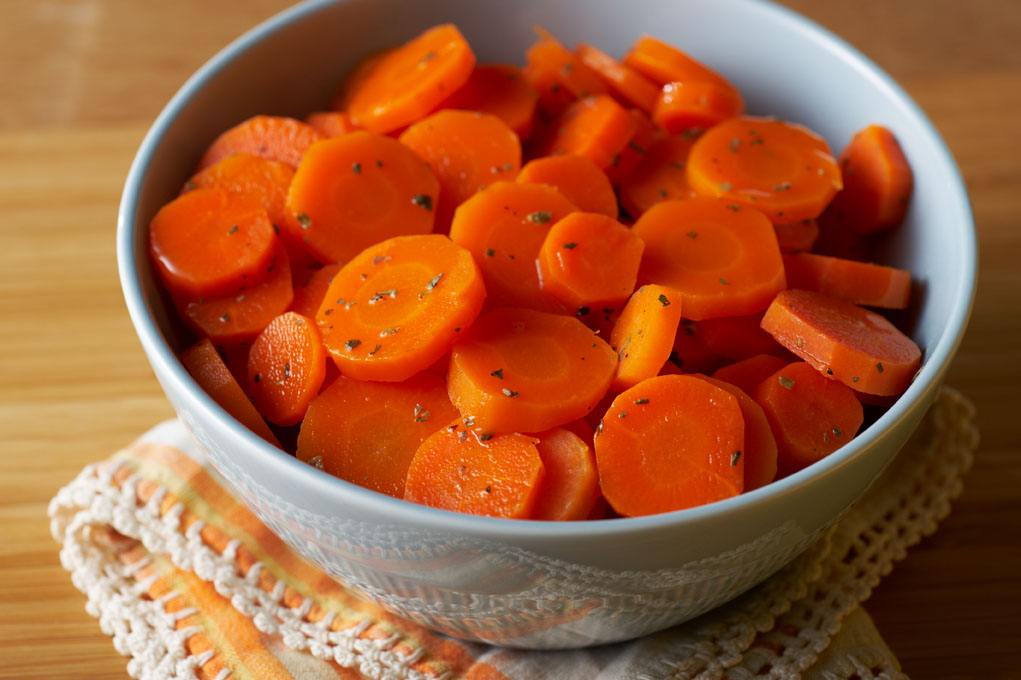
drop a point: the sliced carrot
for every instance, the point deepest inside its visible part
(236, 359)
(356, 78)
(211, 374)
(500, 90)
(690, 353)
(368, 432)
(503, 227)
(571, 484)
(558, 75)
(590, 260)
(626, 83)
(784, 170)
(398, 305)
(643, 336)
(208, 241)
(748, 373)
(848, 343)
(695, 104)
(877, 182)
(811, 416)
(669, 443)
(630, 157)
(457, 468)
(723, 258)
(331, 123)
(466, 150)
(275, 138)
(310, 286)
(661, 176)
(737, 337)
(577, 178)
(356, 190)
(662, 63)
(581, 428)
(859, 283)
(286, 367)
(796, 237)
(595, 127)
(408, 82)
(520, 370)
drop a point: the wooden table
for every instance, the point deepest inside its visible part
(80, 80)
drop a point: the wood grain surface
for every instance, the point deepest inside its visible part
(80, 80)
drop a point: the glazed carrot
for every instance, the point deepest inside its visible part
(737, 337)
(662, 63)
(557, 75)
(643, 336)
(695, 104)
(810, 415)
(208, 241)
(410, 81)
(660, 176)
(211, 374)
(286, 367)
(748, 373)
(629, 158)
(690, 353)
(723, 258)
(589, 260)
(519, 370)
(500, 90)
(310, 286)
(668, 443)
(571, 484)
(595, 127)
(466, 150)
(503, 227)
(796, 237)
(784, 170)
(356, 79)
(275, 138)
(577, 178)
(458, 468)
(859, 283)
(356, 190)
(877, 182)
(331, 123)
(397, 307)
(367, 432)
(626, 83)
(848, 343)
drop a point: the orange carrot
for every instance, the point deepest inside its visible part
(659, 177)
(577, 178)
(796, 237)
(500, 90)
(367, 432)
(643, 336)
(331, 123)
(236, 359)
(668, 443)
(695, 104)
(595, 127)
(784, 170)
(626, 83)
(600, 319)
(723, 258)
(310, 286)
(355, 79)
(877, 182)
(571, 484)
(859, 283)
(286, 367)
(690, 353)
(662, 63)
(519, 370)
(558, 76)
(581, 428)
(748, 373)
(211, 374)
(737, 337)
(629, 158)
(356, 190)
(275, 138)
(848, 343)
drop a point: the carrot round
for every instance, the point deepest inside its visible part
(785, 170)
(877, 182)
(660, 176)
(629, 158)
(275, 138)
(286, 367)
(502, 91)
(368, 432)
(737, 337)
(690, 353)
(558, 75)
(355, 79)
(722, 257)
(695, 104)
(408, 82)
(668, 443)
(626, 83)
(796, 237)
(859, 283)
(331, 123)
(458, 468)
(520, 370)
(643, 336)
(848, 343)
(596, 127)
(662, 63)
(355, 190)
(748, 373)
(310, 286)
(571, 484)
(398, 305)
(577, 178)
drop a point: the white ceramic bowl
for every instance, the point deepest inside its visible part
(533, 584)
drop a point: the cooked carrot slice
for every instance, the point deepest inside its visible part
(310, 286)
(737, 337)
(595, 127)
(571, 484)
(520, 370)
(662, 63)
(695, 104)
(211, 374)
(626, 83)
(207, 241)
(643, 336)
(503, 227)
(408, 82)
(629, 158)
(331, 123)
(590, 260)
(457, 468)
(690, 353)
(356, 190)
(877, 182)
(668, 443)
(859, 283)
(848, 343)
(784, 170)
(368, 432)
(810, 415)
(355, 79)
(723, 258)
(500, 90)
(275, 138)
(577, 178)
(236, 359)
(557, 75)
(286, 367)
(796, 237)
(661, 176)
(748, 373)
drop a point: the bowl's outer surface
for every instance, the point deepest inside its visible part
(531, 584)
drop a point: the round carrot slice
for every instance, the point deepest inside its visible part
(331, 123)
(286, 367)
(571, 484)
(397, 306)
(558, 76)
(577, 178)
(662, 63)
(310, 287)
(643, 336)
(795, 237)
(877, 182)
(275, 138)
(519, 370)
(748, 373)
(695, 104)
(860, 283)
(723, 258)
(785, 170)
(660, 176)
(625, 162)
(500, 90)
(595, 127)
(629, 85)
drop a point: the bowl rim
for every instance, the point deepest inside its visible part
(166, 363)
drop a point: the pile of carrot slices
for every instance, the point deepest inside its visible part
(584, 288)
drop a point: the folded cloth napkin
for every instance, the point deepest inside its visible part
(190, 584)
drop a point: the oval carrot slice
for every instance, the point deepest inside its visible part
(558, 75)
(331, 123)
(859, 283)
(502, 91)
(398, 305)
(661, 176)
(796, 237)
(275, 138)
(721, 257)
(691, 104)
(748, 373)
(355, 79)
(629, 85)
(671, 442)
(571, 485)
(310, 286)
(737, 337)
(577, 178)
(625, 162)
(286, 367)
(356, 190)
(595, 127)
(643, 336)
(848, 343)
(519, 370)
(368, 432)
(877, 182)
(662, 63)
(785, 170)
